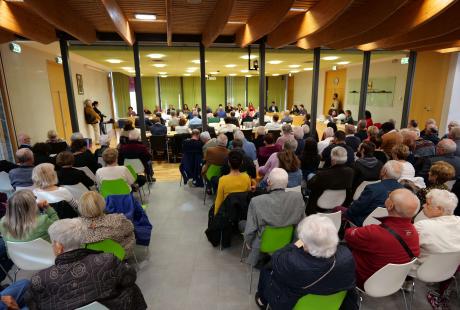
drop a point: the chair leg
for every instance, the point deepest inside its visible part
(404, 297)
(6, 273)
(204, 198)
(242, 252)
(220, 243)
(456, 284)
(250, 280)
(412, 293)
(15, 274)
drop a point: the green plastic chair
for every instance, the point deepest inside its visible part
(323, 302)
(114, 187)
(213, 171)
(133, 172)
(108, 246)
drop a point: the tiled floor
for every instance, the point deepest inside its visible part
(185, 272)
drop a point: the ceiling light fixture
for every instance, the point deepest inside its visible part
(330, 58)
(145, 17)
(275, 62)
(214, 72)
(297, 10)
(129, 69)
(236, 23)
(197, 61)
(230, 66)
(159, 65)
(232, 74)
(247, 57)
(248, 76)
(343, 62)
(163, 76)
(307, 69)
(244, 71)
(294, 71)
(162, 73)
(114, 61)
(187, 74)
(275, 74)
(155, 56)
(294, 66)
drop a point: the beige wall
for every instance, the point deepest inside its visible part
(29, 91)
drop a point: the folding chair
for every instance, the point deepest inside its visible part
(331, 198)
(213, 171)
(336, 218)
(158, 144)
(88, 172)
(114, 187)
(276, 133)
(5, 184)
(323, 302)
(361, 187)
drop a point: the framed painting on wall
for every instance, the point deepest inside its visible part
(81, 91)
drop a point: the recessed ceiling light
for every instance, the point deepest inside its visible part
(129, 69)
(145, 17)
(114, 61)
(163, 76)
(159, 65)
(244, 71)
(187, 74)
(275, 74)
(294, 71)
(192, 68)
(275, 62)
(343, 62)
(155, 56)
(247, 57)
(294, 66)
(197, 61)
(307, 69)
(248, 75)
(230, 66)
(214, 72)
(232, 74)
(330, 58)
(297, 10)
(235, 23)
(162, 73)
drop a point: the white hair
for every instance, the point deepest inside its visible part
(444, 199)
(134, 135)
(67, 232)
(339, 155)
(447, 145)
(393, 169)
(298, 133)
(260, 130)
(205, 136)
(222, 140)
(455, 133)
(290, 145)
(238, 134)
(328, 132)
(278, 178)
(76, 136)
(286, 128)
(318, 235)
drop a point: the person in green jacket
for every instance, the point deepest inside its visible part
(23, 220)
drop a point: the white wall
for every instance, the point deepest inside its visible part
(29, 92)
(451, 107)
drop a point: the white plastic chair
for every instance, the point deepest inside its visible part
(359, 190)
(371, 218)
(18, 188)
(101, 161)
(294, 189)
(5, 183)
(336, 218)
(136, 164)
(387, 281)
(332, 198)
(93, 306)
(30, 255)
(88, 172)
(450, 184)
(420, 216)
(76, 190)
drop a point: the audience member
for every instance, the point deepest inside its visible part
(42, 153)
(234, 182)
(368, 117)
(366, 167)
(216, 155)
(273, 107)
(23, 220)
(234, 119)
(309, 158)
(400, 153)
(428, 122)
(373, 132)
(450, 126)
(24, 141)
(207, 141)
(221, 112)
(266, 151)
(361, 132)
(248, 147)
(338, 176)
(379, 153)
(100, 276)
(328, 137)
(158, 129)
(195, 121)
(445, 151)
(390, 137)
(413, 124)
(53, 137)
(278, 208)
(45, 186)
(287, 135)
(174, 120)
(431, 134)
(135, 149)
(98, 226)
(350, 139)
(299, 137)
(273, 161)
(105, 144)
(339, 140)
(440, 172)
(348, 118)
(274, 124)
(82, 156)
(315, 264)
(112, 171)
(374, 195)
(131, 112)
(247, 166)
(375, 246)
(182, 128)
(129, 126)
(259, 141)
(22, 175)
(455, 136)
(67, 175)
(228, 126)
(289, 161)
(287, 117)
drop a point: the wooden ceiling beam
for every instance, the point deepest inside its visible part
(263, 22)
(64, 18)
(318, 17)
(441, 46)
(368, 15)
(445, 39)
(217, 21)
(6, 36)
(168, 5)
(119, 20)
(404, 20)
(437, 26)
(22, 22)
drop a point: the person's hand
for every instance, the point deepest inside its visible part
(10, 302)
(43, 204)
(299, 243)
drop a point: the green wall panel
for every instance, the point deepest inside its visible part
(192, 91)
(121, 91)
(215, 92)
(276, 91)
(170, 91)
(149, 92)
(253, 91)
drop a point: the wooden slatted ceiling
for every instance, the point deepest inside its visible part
(94, 12)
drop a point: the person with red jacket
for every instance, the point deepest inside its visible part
(373, 246)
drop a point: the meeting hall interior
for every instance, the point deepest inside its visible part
(229, 154)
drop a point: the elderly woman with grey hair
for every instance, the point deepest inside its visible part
(100, 276)
(315, 264)
(287, 134)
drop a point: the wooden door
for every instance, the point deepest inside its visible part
(335, 83)
(59, 98)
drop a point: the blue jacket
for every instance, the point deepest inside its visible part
(158, 129)
(373, 196)
(249, 149)
(192, 158)
(132, 209)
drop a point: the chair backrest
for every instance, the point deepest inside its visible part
(132, 171)
(88, 172)
(229, 136)
(136, 163)
(275, 238)
(332, 198)
(360, 188)
(31, 255)
(93, 306)
(114, 187)
(336, 218)
(108, 246)
(18, 188)
(212, 132)
(323, 302)
(450, 184)
(57, 147)
(213, 171)
(294, 189)
(158, 143)
(76, 190)
(276, 133)
(388, 279)
(101, 161)
(438, 267)
(5, 183)
(371, 218)
(247, 134)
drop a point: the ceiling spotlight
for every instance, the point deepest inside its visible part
(343, 62)
(294, 71)
(145, 17)
(232, 74)
(162, 73)
(197, 61)
(230, 66)
(294, 66)
(248, 76)
(192, 68)
(114, 61)
(129, 69)
(275, 74)
(297, 10)
(163, 76)
(155, 56)
(159, 65)
(247, 57)
(330, 58)
(307, 69)
(275, 62)
(244, 71)
(187, 74)
(214, 72)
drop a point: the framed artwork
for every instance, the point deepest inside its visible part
(80, 84)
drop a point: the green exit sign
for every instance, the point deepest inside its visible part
(404, 60)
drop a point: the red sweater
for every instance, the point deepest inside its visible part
(373, 247)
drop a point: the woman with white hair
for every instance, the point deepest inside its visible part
(100, 277)
(328, 138)
(23, 220)
(315, 264)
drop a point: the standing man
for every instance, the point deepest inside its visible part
(92, 118)
(101, 115)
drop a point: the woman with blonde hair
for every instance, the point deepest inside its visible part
(400, 152)
(23, 221)
(99, 226)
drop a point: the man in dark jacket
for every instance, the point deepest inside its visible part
(374, 195)
(297, 267)
(247, 165)
(362, 131)
(445, 151)
(83, 276)
(366, 167)
(350, 139)
(135, 149)
(158, 129)
(339, 140)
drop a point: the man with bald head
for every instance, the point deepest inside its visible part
(24, 141)
(445, 151)
(374, 246)
(22, 175)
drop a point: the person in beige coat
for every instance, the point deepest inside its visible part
(92, 118)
